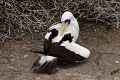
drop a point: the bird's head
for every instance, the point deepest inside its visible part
(67, 17)
(67, 20)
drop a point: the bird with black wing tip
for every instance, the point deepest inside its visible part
(60, 43)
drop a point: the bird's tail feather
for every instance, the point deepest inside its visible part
(39, 52)
(44, 64)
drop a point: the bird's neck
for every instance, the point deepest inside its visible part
(63, 29)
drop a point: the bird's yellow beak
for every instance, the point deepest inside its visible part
(64, 26)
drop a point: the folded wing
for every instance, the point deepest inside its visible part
(69, 51)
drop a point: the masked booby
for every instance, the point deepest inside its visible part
(60, 43)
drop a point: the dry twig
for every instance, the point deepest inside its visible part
(33, 17)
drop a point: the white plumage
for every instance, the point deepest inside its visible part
(72, 28)
(61, 36)
(84, 52)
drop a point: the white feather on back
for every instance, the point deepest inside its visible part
(82, 51)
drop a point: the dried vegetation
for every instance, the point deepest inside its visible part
(23, 18)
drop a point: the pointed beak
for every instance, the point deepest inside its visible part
(65, 24)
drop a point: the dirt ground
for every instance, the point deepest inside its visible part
(103, 63)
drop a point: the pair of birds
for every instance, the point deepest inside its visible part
(60, 44)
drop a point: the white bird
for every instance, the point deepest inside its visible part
(60, 43)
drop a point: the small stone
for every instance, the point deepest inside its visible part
(11, 55)
(38, 78)
(12, 59)
(68, 74)
(26, 55)
(117, 61)
(94, 38)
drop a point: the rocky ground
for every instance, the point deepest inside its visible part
(103, 63)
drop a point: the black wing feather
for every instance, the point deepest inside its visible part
(61, 52)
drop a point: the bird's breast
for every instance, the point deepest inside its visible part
(57, 39)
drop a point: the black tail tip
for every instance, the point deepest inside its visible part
(47, 67)
(39, 71)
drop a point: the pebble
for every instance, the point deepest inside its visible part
(38, 78)
(117, 61)
(26, 55)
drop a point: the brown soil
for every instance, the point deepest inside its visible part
(103, 63)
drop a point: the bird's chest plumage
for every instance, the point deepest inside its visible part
(74, 31)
